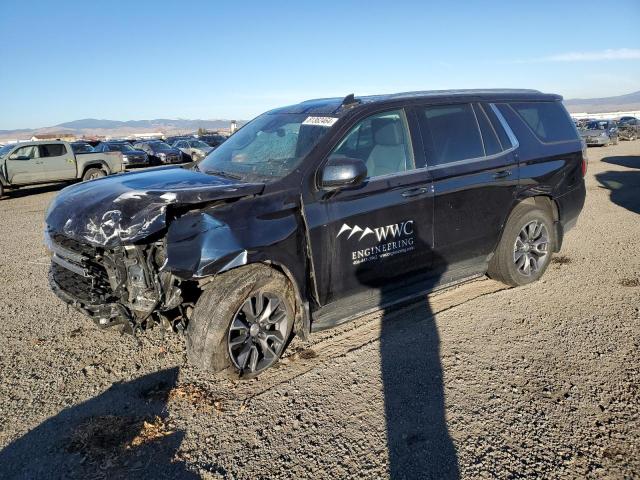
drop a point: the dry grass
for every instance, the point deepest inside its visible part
(109, 435)
(197, 396)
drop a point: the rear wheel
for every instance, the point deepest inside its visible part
(92, 174)
(1, 190)
(242, 323)
(525, 249)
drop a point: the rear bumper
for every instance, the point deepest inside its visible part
(596, 141)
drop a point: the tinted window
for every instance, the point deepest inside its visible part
(489, 136)
(452, 133)
(382, 142)
(548, 120)
(497, 126)
(52, 150)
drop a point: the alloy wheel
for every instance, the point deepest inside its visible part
(258, 333)
(531, 248)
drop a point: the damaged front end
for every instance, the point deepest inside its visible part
(120, 285)
(108, 244)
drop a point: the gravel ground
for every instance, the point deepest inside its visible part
(478, 381)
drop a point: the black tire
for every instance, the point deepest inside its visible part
(208, 334)
(93, 173)
(503, 265)
(1, 191)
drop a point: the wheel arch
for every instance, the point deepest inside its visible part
(544, 202)
(101, 164)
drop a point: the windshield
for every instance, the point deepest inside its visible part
(199, 144)
(597, 125)
(268, 148)
(6, 149)
(81, 148)
(159, 146)
(120, 147)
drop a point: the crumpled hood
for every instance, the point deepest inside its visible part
(125, 208)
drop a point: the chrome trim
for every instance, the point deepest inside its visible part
(505, 125)
(70, 266)
(471, 160)
(61, 251)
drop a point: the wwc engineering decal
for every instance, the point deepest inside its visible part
(391, 239)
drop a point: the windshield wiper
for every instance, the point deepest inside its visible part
(220, 173)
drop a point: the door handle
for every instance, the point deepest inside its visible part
(502, 174)
(412, 192)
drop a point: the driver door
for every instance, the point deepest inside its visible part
(380, 233)
(24, 166)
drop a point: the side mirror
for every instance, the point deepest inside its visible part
(342, 171)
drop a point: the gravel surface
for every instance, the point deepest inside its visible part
(478, 381)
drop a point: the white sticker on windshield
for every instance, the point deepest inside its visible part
(320, 121)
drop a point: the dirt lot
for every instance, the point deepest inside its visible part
(478, 381)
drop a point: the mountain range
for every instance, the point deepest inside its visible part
(630, 101)
(115, 128)
(89, 127)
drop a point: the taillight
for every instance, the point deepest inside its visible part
(584, 160)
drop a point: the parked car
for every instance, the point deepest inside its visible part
(629, 128)
(159, 152)
(82, 147)
(28, 163)
(130, 156)
(312, 214)
(600, 133)
(212, 140)
(193, 149)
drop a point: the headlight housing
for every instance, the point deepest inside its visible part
(125, 159)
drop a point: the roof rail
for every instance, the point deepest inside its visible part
(350, 101)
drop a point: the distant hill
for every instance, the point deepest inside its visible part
(630, 101)
(115, 128)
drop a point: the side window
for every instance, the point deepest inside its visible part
(52, 150)
(489, 135)
(25, 152)
(548, 120)
(452, 133)
(382, 142)
(499, 122)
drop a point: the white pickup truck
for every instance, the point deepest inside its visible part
(28, 163)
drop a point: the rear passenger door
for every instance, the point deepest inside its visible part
(475, 176)
(57, 162)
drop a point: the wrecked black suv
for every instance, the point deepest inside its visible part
(313, 214)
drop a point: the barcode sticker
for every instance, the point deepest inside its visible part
(320, 121)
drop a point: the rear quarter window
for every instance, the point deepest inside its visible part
(549, 121)
(52, 150)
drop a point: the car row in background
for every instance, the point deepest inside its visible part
(154, 152)
(608, 132)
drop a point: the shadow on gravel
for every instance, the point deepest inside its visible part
(34, 190)
(629, 161)
(418, 441)
(624, 187)
(121, 433)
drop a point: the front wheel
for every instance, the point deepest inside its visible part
(241, 324)
(525, 249)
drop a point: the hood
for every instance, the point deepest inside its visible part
(125, 208)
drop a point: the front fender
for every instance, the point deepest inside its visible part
(265, 229)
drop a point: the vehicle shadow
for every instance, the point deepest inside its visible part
(629, 161)
(418, 442)
(624, 188)
(104, 437)
(34, 190)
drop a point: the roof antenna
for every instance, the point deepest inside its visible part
(350, 101)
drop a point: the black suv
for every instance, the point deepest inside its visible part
(312, 214)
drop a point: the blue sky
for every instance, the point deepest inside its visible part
(64, 60)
